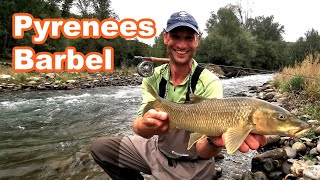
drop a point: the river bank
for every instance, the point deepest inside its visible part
(10, 81)
(283, 157)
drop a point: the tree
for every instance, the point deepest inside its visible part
(271, 50)
(159, 49)
(310, 44)
(228, 42)
(66, 8)
(265, 29)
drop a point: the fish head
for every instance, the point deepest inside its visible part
(274, 120)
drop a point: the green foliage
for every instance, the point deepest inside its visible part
(313, 110)
(228, 42)
(20, 78)
(159, 49)
(265, 29)
(276, 84)
(310, 44)
(296, 83)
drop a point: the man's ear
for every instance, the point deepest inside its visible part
(165, 37)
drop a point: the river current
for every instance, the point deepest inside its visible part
(42, 128)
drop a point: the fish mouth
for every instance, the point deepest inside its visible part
(298, 132)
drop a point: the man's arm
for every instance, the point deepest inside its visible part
(151, 123)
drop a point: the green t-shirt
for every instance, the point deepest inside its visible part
(208, 85)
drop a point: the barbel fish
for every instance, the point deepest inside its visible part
(235, 116)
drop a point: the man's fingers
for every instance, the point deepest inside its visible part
(244, 148)
(157, 120)
(252, 142)
(152, 113)
(261, 139)
(217, 141)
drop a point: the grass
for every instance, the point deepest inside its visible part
(303, 79)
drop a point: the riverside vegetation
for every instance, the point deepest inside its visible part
(296, 158)
(303, 83)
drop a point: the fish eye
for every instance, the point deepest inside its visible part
(281, 117)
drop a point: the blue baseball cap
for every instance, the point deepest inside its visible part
(182, 18)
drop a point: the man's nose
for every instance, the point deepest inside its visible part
(181, 43)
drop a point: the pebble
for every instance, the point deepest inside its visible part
(313, 152)
(317, 131)
(272, 139)
(275, 175)
(291, 153)
(286, 166)
(312, 173)
(318, 147)
(299, 147)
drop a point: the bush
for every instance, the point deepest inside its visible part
(296, 83)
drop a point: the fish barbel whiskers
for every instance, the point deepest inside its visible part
(236, 117)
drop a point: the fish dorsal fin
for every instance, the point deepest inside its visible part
(149, 105)
(152, 91)
(194, 137)
(195, 98)
(235, 136)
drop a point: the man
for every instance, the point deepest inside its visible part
(157, 150)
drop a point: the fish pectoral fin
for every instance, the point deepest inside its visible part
(194, 137)
(235, 136)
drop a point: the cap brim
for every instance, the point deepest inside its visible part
(179, 24)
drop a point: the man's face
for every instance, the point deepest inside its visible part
(181, 44)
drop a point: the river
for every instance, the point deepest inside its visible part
(46, 134)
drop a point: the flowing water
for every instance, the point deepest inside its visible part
(46, 134)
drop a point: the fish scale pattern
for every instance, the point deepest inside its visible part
(210, 116)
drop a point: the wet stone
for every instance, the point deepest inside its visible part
(275, 175)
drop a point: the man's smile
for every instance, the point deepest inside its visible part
(181, 52)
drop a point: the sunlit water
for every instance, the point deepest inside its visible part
(41, 128)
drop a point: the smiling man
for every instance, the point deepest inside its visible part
(157, 149)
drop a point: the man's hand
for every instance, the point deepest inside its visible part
(152, 123)
(252, 141)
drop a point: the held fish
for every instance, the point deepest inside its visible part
(236, 117)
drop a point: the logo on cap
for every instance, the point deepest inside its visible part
(183, 14)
